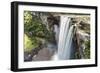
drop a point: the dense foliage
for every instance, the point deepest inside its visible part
(35, 31)
(87, 50)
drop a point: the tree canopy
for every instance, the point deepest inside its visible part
(35, 31)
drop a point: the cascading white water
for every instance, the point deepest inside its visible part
(68, 44)
(65, 38)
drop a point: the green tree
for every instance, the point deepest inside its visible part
(87, 50)
(35, 31)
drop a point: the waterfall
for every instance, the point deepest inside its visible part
(65, 38)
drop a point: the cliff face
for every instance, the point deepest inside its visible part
(83, 37)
